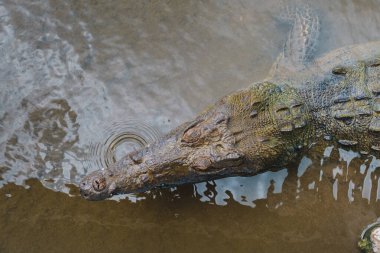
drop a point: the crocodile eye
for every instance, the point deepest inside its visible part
(339, 70)
(192, 135)
(99, 184)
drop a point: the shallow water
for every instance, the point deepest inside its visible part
(74, 75)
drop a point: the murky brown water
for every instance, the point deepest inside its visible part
(75, 74)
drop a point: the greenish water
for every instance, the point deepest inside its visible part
(77, 75)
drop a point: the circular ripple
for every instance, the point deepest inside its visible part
(119, 139)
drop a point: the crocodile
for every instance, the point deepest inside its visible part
(331, 99)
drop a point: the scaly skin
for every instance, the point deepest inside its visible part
(259, 128)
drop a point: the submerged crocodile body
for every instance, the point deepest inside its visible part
(334, 99)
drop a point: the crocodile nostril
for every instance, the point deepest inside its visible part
(99, 184)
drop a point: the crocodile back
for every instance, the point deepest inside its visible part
(344, 98)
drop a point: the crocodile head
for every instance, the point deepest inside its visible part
(237, 136)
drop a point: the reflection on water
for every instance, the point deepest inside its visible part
(40, 147)
(84, 82)
(359, 180)
(243, 190)
(371, 180)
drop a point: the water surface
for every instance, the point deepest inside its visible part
(74, 75)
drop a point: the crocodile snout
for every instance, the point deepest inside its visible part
(97, 185)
